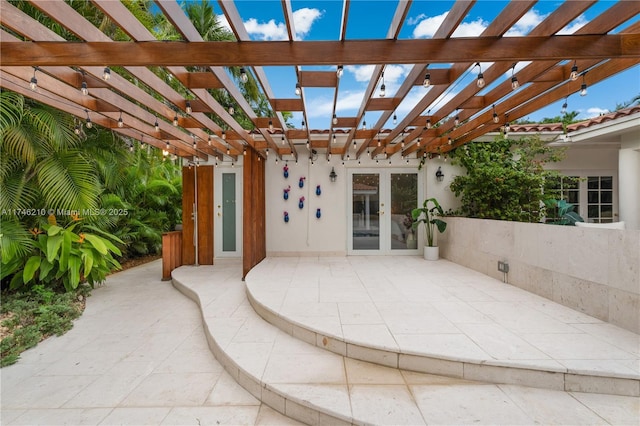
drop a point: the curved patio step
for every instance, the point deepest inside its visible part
(341, 304)
(318, 387)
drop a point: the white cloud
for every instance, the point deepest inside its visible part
(362, 73)
(349, 101)
(470, 29)
(529, 21)
(428, 26)
(595, 112)
(266, 30)
(574, 25)
(224, 22)
(303, 20)
(413, 21)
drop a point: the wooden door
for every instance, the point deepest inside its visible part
(204, 208)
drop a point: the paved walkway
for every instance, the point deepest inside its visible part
(138, 355)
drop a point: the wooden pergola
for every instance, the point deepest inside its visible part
(155, 113)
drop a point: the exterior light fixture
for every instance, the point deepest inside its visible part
(480, 81)
(383, 87)
(334, 138)
(334, 120)
(333, 176)
(175, 120)
(574, 71)
(120, 121)
(495, 115)
(167, 146)
(364, 123)
(195, 142)
(188, 108)
(282, 140)
(33, 83)
(224, 135)
(84, 89)
(449, 141)
(514, 80)
(243, 75)
(77, 129)
(428, 125)
(339, 71)
(298, 89)
(88, 122)
(564, 106)
(266, 152)
(439, 174)
(303, 125)
(583, 87)
(379, 142)
(231, 110)
(209, 140)
(270, 126)
(395, 118)
(427, 78)
(456, 121)
(228, 150)
(106, 74)
(418, 142)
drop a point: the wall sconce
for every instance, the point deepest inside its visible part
(333, 176)
(439, 174)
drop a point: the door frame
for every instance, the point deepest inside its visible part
(385, 198)
(217, 218)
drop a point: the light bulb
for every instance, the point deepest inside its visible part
(243, 75)
(298, 89)
(175, 120)
(335, 119)
(231, 110)
(514, 82)
(156, 125)
(84, 89)
(583, 89)
(120, 122)
(427, 80)
(88, 123)
(33, 83)
(495, 118)
(106, 73)
(270, 126)
(574, 72)
(428, 123)
(383, 90)
(339, 71)
(480, 82)
(395, 119)
(188, 108)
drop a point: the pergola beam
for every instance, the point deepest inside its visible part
(361, 52)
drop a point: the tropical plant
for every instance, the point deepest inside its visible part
(565, 214)
(505, 179)
(60, 257)
(427, 216)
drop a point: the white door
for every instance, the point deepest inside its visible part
(379, 209)
(228, 211)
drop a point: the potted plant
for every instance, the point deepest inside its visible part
(427, 215)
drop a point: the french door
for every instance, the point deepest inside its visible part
(379, 211)
(228, 211)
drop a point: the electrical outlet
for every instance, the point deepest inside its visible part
(503, 266)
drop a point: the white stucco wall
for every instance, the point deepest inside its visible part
(306, 235)
(629, 180)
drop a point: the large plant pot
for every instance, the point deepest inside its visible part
(431, 253)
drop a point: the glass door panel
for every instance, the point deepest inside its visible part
(404, 198)
(365, 199)
(229, 212)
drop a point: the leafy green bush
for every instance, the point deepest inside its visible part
(62, 257)
(505, 179)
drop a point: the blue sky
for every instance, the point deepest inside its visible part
(320, 20)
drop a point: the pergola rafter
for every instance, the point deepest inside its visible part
(63, 65)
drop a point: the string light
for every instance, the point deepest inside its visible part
(88, 123)
(209, 140)
(106, 74)
(175, 120)
(224, 135)
(33, 83)
(574, 71)
(427, 78)
(339, 71)
(231, 110)
(156, 125)
(120, 121)
(243, 75)
(564, 106)
(335, 119)
(456, 121)
(298, 89)
(480, 82)
(188, 108)
(84, 89)
(514, 80)
(495, 115)
(383, 87)
(270, 126)
(395, 118)
(583, 87)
